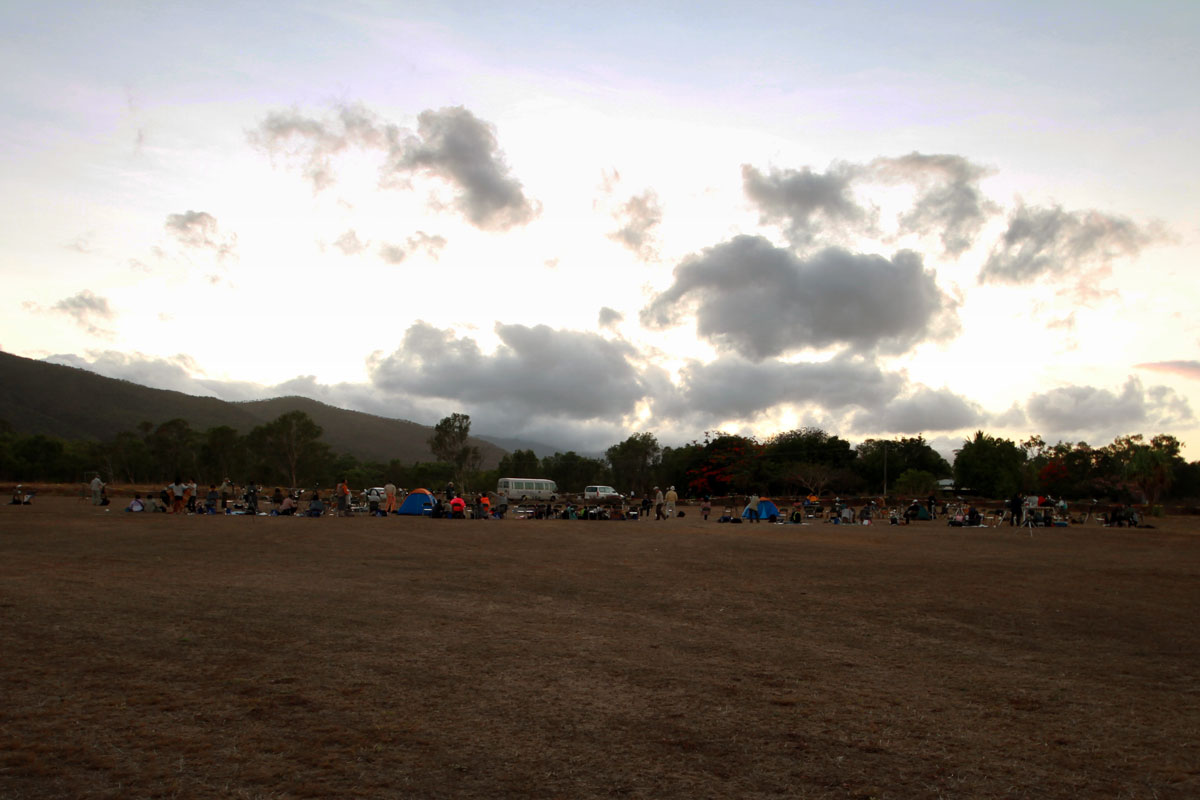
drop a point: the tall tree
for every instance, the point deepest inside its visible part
(292, 445)
(634, 461)
(988, 465)
(449, 444)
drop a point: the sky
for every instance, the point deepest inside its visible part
(575, 222)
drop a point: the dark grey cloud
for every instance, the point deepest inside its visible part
(535, 371)
(735, 388)
(199, 229)
(461, 149)
(450, 144)
(949, 199)
(1075, 409)
(760, 300)
(805, 203)
(1058, 244)
(921, 411)
(350, 244)
(609, 318)
(639, 216)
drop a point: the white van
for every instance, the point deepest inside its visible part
(514, 490)
(601, 493)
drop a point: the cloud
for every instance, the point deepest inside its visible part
(639, 217)
(760, 301)
(350, 244)
(314, 142)
(431, 244)
(392, 253)
(199, 229)
(89, 310)
(395, 254)
(948, 200)
(461, 149)
(735, 388)
(805, 203)
(1059, 244)
(1184, 369)
(923, 410)
(450, 144)
(609, 318)
(535, 371)
(1075, 409)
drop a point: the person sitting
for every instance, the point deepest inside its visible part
(210, 499)
(136, 504)
(315, 507)
(974, 520)
(287, 507)
(458, 508)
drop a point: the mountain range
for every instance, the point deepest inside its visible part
(72, 403)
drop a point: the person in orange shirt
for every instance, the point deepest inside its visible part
(343, 498)
(485, 506)
(389, 493)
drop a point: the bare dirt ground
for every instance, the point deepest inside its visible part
(154, 656)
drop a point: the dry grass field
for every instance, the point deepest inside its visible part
(191, 657)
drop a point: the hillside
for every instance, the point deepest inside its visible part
(72, 403)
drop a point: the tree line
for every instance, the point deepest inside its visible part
(289, 451)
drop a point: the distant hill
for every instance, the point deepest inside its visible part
(72, 403)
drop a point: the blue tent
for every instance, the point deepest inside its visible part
(419, 502)
(766, 510)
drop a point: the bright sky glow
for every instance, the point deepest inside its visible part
(577, 223)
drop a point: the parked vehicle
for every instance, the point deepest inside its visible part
(515, 490)
(602, 493)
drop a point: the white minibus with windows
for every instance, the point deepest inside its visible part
(516, 490)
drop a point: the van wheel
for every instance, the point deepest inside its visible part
(553, 498)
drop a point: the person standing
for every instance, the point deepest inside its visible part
(97, 487)
(750, 512)
(706, 508)
(177, 489)
(658, 504)
(226, 491)
(251, 497)
(343, 498)
(1014, 506)
(389, 498)
(669, 505)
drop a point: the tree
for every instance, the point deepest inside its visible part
(989, 466)
(572, 471)
(634, 461)
(520, 464)
(916, 483)
(173, 445)
(290, 444)
(731, 464)
(449, 444)
(877, 456)
(814, 477)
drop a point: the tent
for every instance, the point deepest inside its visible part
(766, 510)
(418, 502)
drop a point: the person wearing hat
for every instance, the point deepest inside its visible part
(669, 504)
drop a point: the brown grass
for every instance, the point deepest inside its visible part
(153, 656)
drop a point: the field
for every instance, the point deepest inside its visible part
(154, 656)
